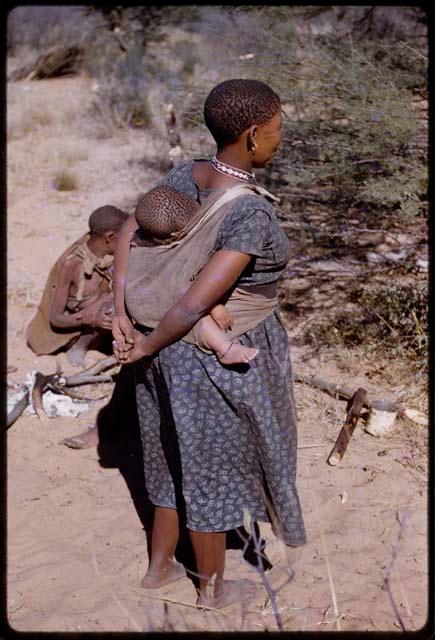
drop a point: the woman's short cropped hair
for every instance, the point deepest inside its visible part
(164, 210)
(235, 105)
(106, 218)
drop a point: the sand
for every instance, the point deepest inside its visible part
(76, 544)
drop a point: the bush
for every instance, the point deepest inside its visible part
(391, 318)
(65, 181)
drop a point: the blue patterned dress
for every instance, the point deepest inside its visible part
(219, 441)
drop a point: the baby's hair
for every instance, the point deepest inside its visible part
(235, 105)
(164, 210)
(106, 218)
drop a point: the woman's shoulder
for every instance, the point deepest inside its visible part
(178, 175)
(250, 204)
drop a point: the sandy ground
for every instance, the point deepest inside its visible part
(76, 545)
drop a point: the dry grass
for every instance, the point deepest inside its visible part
(28, 109)
(65, 181)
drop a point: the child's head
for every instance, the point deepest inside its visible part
(105, 224)
(164, 210)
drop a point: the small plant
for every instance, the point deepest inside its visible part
(65, 181)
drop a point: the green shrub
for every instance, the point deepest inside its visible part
(390, 317)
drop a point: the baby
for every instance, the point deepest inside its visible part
(160, 213)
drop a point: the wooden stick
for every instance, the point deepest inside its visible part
(39, 386)
(77, 379)
(65, 391)
(346, 392)
(349, 427)
(98, 367)
(17, 410)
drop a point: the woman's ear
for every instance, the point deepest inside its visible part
(251, 139)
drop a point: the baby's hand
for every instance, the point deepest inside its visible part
(222, 317)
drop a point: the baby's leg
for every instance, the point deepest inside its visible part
(227, 352)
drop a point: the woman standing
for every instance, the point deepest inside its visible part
(218, 441)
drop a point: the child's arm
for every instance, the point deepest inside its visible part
(222, 317)
(89, 316)
(59, 319)
(122, 328)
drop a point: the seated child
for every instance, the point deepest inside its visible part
(161, 212)
(76, 307)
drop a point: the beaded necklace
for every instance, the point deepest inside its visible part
(228, 170)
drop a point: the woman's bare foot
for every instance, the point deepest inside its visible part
(174, 571)
(83, 440)
(231, 592)
(237, 353)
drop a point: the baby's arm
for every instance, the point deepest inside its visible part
(222, 317)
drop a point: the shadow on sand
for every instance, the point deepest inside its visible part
(120, 447)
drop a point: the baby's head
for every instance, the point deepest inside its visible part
(164, 210)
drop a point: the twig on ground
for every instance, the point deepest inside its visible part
(76, 395)
(310, 446)
(180, 602)
(390, 568)
(266, 583)
(336, 390)
(17, 409)
(125, 611)
(328, 567)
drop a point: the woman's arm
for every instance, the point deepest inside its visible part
(122, 328)
(214, 280)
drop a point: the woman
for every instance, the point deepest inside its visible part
(228, 434)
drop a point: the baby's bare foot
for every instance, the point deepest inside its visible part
(174, 571)
(237, 353)
(231, 592)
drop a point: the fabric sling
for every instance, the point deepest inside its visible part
(160, 272)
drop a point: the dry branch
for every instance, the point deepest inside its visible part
(98, 367)
(59, 61)
(58, 383)
(348, 428)
(387, 579)
(337, 390)
(18, 409)
(39, 386)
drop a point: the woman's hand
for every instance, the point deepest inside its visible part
(211, 284)
(123, 332)
(135, 351)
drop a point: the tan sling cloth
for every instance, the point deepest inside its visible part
(40, 336)
(159, 274)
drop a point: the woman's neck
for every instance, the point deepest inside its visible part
(233, 156)
(206, 177)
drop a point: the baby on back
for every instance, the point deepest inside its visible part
(160, 214)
